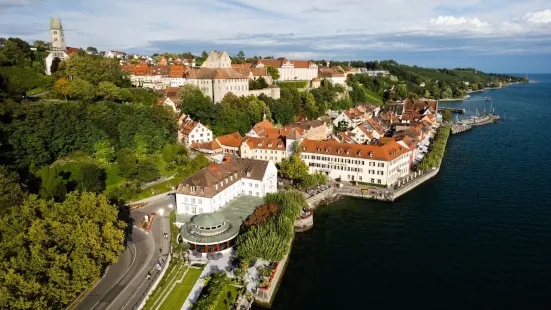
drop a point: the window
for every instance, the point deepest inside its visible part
(185, 199)
(250, 193)
(199, 200)
(187, 208)
(256, 185)
(200, 210)
(192, 201)
(194, 210)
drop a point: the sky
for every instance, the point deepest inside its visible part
(490, 35)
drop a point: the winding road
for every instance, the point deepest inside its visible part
(124, 283)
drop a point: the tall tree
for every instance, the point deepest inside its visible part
(62, 87)
(83, 90)
(52, 185)
(11, 193)
(50, 252)
(92, 50)
(273, 72)
(195, 104)
(91, 178)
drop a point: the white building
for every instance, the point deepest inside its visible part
(216, 83)
(375, 164)
(332, 75)
(217, 60)
(213, 187)
(263, 149)
(115, 54)
(291, 70)
(375, 73)
(192, 132)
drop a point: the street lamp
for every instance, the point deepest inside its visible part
(170, 206)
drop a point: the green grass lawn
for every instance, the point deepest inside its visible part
(36, 90)
(174, 297)
(161, 165)
(373, 97)
(221, 305)
(113, 177)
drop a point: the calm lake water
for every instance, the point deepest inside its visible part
(477, 236)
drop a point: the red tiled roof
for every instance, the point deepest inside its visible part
(265, 143)
(232, 139)
(387, 152)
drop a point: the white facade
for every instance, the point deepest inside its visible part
(275, 155)
(359, 169)
(344, 118)
(217, 60)
(115, 54)
(189, 204)
(216, 89)
(337, 80)
(199, 134)
(177, 82)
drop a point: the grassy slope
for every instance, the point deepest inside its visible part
(181, 291)
(373, 97)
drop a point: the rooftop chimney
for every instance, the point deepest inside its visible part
(227, 158)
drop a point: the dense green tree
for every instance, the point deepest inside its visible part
(104, 152)
(82, 89)
(147, 170)
(91, 178)
(128, 163)
(52, 185)
(62, 88)
(50, 252)
(91, 49)
(273, 72)
(293, 168)
(195, 104)
(108, 91)
(94, 69)
(11, 193)
(447, 117)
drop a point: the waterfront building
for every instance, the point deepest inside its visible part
(209, 232)
(377, 164)
(213, 187)
(272, 149)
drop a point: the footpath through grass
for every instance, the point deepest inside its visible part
(174, 287)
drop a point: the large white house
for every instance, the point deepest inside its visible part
(291, 70)
(376, 164)
(193, 132)
(213, 187)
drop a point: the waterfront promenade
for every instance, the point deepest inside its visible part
(405, 185)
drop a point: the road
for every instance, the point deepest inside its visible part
(125, 283)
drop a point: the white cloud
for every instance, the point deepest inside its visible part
(540, 17)
(272, 25)
(457, 21)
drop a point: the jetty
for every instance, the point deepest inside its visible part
(460, 127)
(453, 110)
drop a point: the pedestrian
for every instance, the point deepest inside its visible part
(148, 275)
(160, 251)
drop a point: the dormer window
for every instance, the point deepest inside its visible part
(370, 154)
(192, 189)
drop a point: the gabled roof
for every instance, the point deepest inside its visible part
(231, 140)
(265, 143)
(213, 179)
(386, 152)
(210, 146)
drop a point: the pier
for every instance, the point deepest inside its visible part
(453, 110)
(460, 127)
(484, 120)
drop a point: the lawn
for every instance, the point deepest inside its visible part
(174, 287)
(225, 301)
(36, 90)
(373, 97)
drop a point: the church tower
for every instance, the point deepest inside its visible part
(57, 37)
(59, 49)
